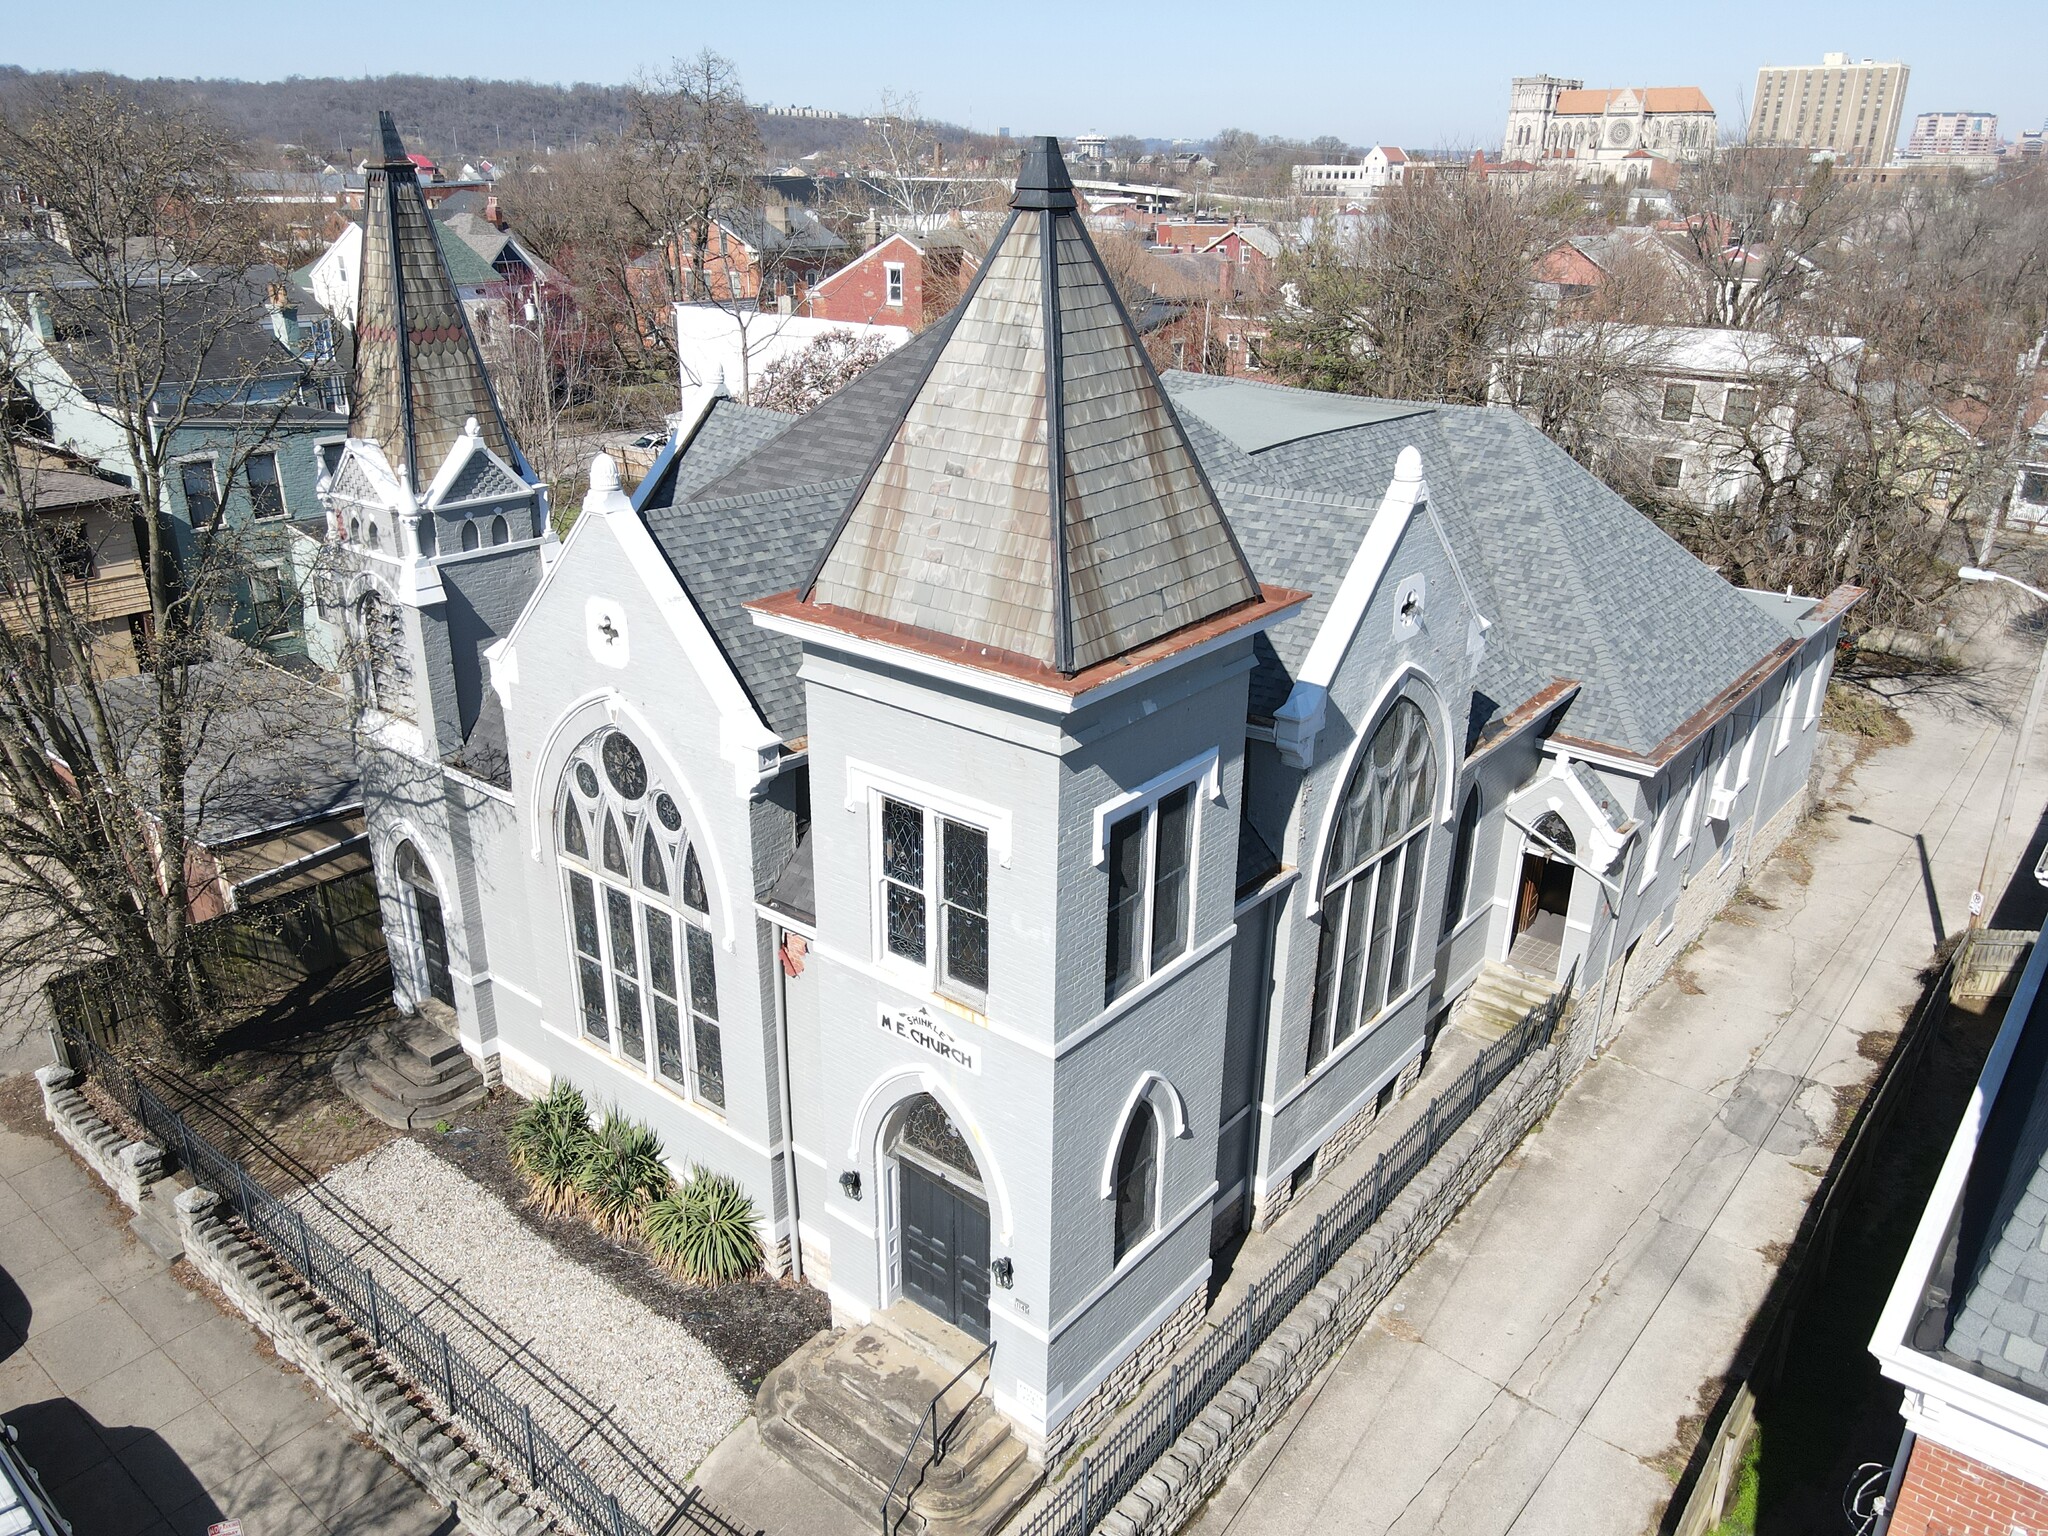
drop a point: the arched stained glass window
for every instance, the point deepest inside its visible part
(645, 966)
(1372, 880)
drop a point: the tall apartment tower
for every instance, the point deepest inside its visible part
(1532, 102)
(1852, 110)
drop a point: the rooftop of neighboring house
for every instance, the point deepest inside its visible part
(1972, 1294)
(1656, 98)
(64, 482)
(1256, 236)
(1716, 352)
(800, 231)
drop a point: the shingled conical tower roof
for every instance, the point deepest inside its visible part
(419, 376)
(1038, 496)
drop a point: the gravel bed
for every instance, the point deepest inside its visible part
(665, 1388)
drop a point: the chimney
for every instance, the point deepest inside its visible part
(39, 317)
(284, 318)
(778, 217)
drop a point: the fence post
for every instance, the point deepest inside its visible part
(448, 1375)
(532, 1460)
(1319, 1245)
(1379, 1175)
(618, 1519)
(242, 1189)
(305, 1246)
(1429, 1129)
(1477, 1092)
(1087, 1490)
(376, 1317)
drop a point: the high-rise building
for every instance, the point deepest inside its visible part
(1954, 133)
(1852, 110)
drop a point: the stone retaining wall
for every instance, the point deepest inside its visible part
(126, 1167)
(1101, 1405)
(410, 1430)
(1330, 1315)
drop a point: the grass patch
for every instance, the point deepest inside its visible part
(1739, 1519)
(1861, 713)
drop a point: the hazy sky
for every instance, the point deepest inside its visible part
(1418, 74)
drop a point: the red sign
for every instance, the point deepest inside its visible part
(225, 1528)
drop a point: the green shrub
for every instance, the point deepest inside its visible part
(550, 1141)
(704, 1230)
(622, 1174)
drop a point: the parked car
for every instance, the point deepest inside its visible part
(24, 1506)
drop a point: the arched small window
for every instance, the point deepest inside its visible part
(1553, 828)
(1372, 879)
(470, 537)
(1137, 1179)
(1464, 852)
(501, 531)
(644, 961)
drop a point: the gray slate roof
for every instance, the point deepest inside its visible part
(1578, 583)
(728, 434)
(1998, 1320)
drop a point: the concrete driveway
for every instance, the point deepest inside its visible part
(1533, 1373)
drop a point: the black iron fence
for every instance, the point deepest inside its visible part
(534, 1435)
(1127, 1452)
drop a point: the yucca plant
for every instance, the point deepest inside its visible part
(705, 1230)
(550, 1141)
(622, 1174)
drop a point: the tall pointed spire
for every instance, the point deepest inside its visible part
(419, 377)
(1038, 496)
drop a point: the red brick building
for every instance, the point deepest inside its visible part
(900, 280)
(1965, 1331)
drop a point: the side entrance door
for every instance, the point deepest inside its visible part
(945, 1249)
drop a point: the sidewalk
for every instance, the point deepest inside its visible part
(1535, 1371)
(147, 1410)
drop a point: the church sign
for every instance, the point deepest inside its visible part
(928, 1034)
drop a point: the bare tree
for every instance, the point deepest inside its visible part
(107, 782)
(1420, 305)
(808, 378)
(1759, 222)
(699, 145)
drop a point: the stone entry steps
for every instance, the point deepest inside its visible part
(842, 1409)
(410, 1075)
(1499, 999)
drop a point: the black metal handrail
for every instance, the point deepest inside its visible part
(541, 1448)
(1127, 1452)
(931, 1416)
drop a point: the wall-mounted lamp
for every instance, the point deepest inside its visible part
(1001, 1273)
(849, 1182)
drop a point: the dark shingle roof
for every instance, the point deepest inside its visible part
(728, 434)
(1578, 583)
(737, 548)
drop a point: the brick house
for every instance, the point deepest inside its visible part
(903, 279)
(1965, 1331)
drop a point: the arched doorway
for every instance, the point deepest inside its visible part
(942, 1214)
(1544, 898)
(429, 932)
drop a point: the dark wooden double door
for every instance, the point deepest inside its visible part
(945, 1249)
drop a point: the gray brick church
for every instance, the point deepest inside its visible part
(1024, 818)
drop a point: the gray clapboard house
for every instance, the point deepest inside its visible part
(1024, 818)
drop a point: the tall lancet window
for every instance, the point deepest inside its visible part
(1372, 880)
(639, 920)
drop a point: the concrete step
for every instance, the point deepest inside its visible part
(442, 1087)
(368, 1073)
(1499, 998)
(843, 1409)
(156, 1225)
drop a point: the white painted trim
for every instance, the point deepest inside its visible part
(496, 980)
(810, 1157)
(1322, 1068)
(1166, 1229)
(1265, 1181)
(1391, 691)
(783, 920)
(1141, 1090)
(995, 684)
(483, 787)
(1299, 719)
(864, 781)
(1634, 768)
(1130, 1344)
(553, 760)
(1284, 877)
(897, 1083)
(1205, 769)
(744, 739)
(901, 981)
(1158, 980)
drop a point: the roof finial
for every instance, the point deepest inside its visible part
(1044, 182)
(391, 147)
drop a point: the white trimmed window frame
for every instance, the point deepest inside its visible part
(930, 975)
(892, 284)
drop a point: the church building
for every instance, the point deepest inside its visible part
(1024, 818)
